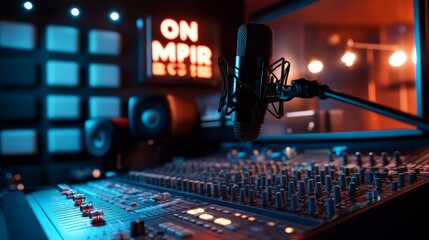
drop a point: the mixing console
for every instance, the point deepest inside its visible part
(264, 194)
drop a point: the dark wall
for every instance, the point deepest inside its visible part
(24, 88)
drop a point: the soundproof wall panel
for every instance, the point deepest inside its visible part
(104, 75)
(17, 73)
(104, 107)
(104, 42)
(64, 140)
(18, 107)
(63, 107)
(17, 35)
(18, 142)
(62, 39)
(62, 73)
(58, 70)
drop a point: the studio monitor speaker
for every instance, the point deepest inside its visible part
(157, 116)
(106, 136)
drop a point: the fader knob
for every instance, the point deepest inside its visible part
(71, 193)
(394, 186)
(264, 198)
(216, 190)
(328, 183)
(251, 196)
(352, 190)
(78, 198)
(397, 158)
(301, 188)
(294, 203)
(86, 208)
(310, 186)
(223, 192)
(209, 187)
(345, 158)
(311, 205)
(371, 159)
(291, 188)
(358, 159)
(330, 208)
(97, 216)
(137, 228)
(337, 195)
(401, 180)
(384, 158)
(242, 195)
(342, 180)
(319, 190)
(378, 183)
(278, 200)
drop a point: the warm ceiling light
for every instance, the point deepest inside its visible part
(96, 173)
(398, 58)
(315, 66)
(349, 58)
(414, 55)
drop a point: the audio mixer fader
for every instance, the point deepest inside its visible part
(258, 194)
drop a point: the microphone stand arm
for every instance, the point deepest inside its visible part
(303, 88)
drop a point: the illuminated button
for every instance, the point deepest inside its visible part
(251, 219)
(206, 217)
(237, 214)
(157, 197)
(184, 233)
(195, 211)
(222, 221)
(165, 225)
(243, 216)
(256, 229)
(233, 227)
(173, 229)
(289, 230)
(271, 224)
(167, 195)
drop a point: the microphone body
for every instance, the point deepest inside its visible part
(254, 56)
(249, 99)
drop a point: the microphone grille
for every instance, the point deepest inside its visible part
(246, 131)
(255, 40)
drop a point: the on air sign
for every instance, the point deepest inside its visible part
(180, 50)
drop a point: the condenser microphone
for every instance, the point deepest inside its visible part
(254, 55)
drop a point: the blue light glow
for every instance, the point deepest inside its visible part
(28, 5)
(74, 12)
(114, 16)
